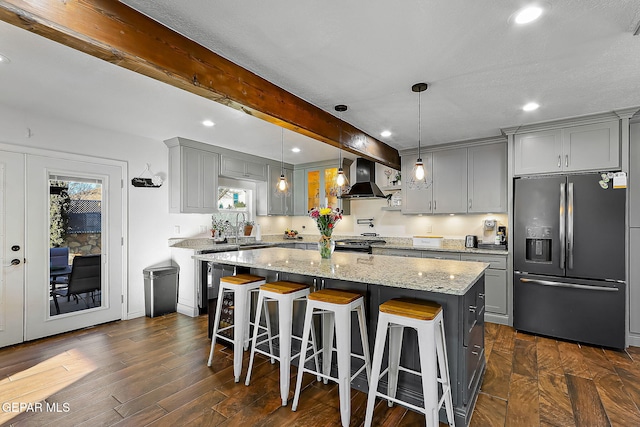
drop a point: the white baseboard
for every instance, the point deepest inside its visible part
(187, 310)
(634, 340)
(134, 314)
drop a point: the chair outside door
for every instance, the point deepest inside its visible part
(85, 280)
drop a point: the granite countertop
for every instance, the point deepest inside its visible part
(207, 243)
(423, 274)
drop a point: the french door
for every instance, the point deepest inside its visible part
(11, 247)
(26, 303)
(104, 304)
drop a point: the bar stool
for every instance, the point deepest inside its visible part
(336, 307)
(241, 286)
(285, 294)
(426, 318)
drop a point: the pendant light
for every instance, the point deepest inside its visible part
(282, 187)
(341, 179)
(419, 175)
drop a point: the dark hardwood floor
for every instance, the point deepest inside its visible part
(153, 372)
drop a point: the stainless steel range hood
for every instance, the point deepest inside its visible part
(365, 186)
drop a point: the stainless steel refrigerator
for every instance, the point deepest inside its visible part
(569, 259)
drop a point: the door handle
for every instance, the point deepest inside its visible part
(568, 285)
(562, 225)
(570, 225)
(14, 261)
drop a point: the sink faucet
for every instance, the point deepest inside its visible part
(244, 218)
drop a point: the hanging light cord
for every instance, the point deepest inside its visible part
(282, 151)
(419, 123)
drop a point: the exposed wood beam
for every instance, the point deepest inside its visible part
(114, 32)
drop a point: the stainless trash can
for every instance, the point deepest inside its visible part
(160, 290)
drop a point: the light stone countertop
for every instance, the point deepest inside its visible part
(423, 274)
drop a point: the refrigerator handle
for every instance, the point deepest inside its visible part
(568, 285)
(562, 224)
(570, 226)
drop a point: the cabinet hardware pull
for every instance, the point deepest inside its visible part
(435, 206)
(566, 160)
(559, 160)
(475, 353)
(481, 295)
(429, 205)
(472, 308)
(469, 203)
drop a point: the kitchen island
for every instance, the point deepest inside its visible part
(458, 286)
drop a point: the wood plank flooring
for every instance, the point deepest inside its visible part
(153, 372)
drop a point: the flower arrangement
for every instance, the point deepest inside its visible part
(326, 219)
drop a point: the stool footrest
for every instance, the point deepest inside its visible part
(401, 402)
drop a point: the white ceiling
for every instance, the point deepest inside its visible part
(580, 58)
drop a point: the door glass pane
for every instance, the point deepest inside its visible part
(331, 189)
(75, 244)
(313, 189)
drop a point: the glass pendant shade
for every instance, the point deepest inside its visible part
(418, 171)
(282, 187)
(341, 179)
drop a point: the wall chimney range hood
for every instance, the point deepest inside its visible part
(365, 186)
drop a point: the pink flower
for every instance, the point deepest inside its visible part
(330, 225)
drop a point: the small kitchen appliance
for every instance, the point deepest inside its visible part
(471, 241)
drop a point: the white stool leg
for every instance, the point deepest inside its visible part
(267, 316)
(255, 336)
(239, 329)
(426, 344)
(343, 346)
(328, 328)
(308, 317)
(247, 324)
(314, 348)
(378, 351)
(395, 350)
(216, 322)
(285, 318)
(364, 337)
(443, 363)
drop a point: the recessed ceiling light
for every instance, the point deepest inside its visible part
(531, 106)
(208, 123)
(385, 133)
(528, 14)
(4, 59)
(295, 149)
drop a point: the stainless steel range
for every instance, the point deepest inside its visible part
(357, 245)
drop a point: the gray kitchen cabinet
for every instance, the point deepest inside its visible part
(569, 149)
(233, 167)
(634, 176)
(496, 284)
(269, 200)
(298, 193)
(193, 179)
(634, 281)
(450, 181)
(487, 178)
(441, 255)
(398, 252)
(538, 152)
(591, 147)
(416, 199)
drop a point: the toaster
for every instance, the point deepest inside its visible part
(471, 241)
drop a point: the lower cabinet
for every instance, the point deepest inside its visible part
(496, 284)
(634, 281)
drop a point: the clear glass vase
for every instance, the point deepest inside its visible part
(326, 245)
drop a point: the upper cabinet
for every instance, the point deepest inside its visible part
(233, 167)
(487, 178)
(450, 181)
(469, 179)
(570, 149)
(416, 199)
(193, 179)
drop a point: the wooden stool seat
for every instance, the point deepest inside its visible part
(334, 296)
(415, 309)
(242, 279)
(283, 287)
